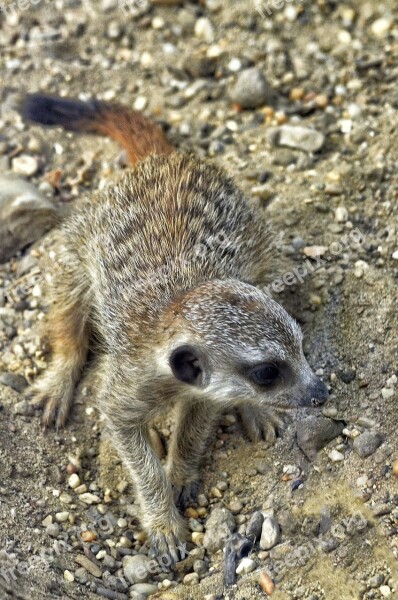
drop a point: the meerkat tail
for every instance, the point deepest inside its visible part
(135, 132)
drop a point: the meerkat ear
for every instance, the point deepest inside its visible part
(186, 365)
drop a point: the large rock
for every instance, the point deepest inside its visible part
(25, 215)
(219, 527)
(313, 433)
(300, 138)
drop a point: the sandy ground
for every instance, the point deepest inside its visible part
(343, 56)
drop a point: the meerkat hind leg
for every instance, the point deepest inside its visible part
(68, 336)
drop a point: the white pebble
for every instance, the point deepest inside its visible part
(341, 214)
(61, 517)
(391, 381)
(25, 165)
(336, 456)
(68, 576)
(359, 268)
(74, 481)
(204, 30)
(385, 591)
(140, 103)
(381, 26)
(387, 393)
(246, 565)
(234, 65)
(395, 255)
(362, 481)
(88, 498)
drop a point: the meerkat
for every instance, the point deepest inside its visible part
(166, 269)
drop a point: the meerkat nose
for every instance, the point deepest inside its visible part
(316, 394)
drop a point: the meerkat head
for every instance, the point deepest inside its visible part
(231, 342)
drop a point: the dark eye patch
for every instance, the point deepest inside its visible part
(265, 374)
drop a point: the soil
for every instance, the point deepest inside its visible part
(341, 63)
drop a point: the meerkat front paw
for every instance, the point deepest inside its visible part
(260, 424)
(169, 543)
(54, 394)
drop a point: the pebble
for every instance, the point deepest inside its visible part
(336, 456)
(254, 525)
(14, 381)
(360, 267)
(138, 568)
(191, 579)
(53, 530)
(252, 90)
(68, 576)
(235, 507)
(270, 533)
(387, 393)
(313, 433)
(381, 26)
(87, 564)
(246, 565)
(74, 481)
(395, 467)
(341, 214)
(219, 526)
(367, 443)
(61, 517)
(24, 408)
(385, 591)
(376, 580)
(89, 498)
(139, 591)
(266, 583)
(300, 138)
(88, 536)
(25, 165)
(204, 29)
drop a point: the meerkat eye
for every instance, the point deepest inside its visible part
(265, 374)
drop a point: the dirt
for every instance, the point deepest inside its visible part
(347, 307)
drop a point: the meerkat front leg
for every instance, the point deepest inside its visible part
(195, 424)
(159, 514)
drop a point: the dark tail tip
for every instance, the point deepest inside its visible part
(52, 111)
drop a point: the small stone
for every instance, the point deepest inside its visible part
(246, 565)
(91, 567)
(139, 591)
(270, 533)
(204, 30)
(140, 103)
(89, 498)
(376, 581)
(88, 536)
(25, 165)
(14, 381)
(314, 251)
(385, 591)
(394, 467)
(300, 138)
(53, 530)
(198, 538)
(235, 507)
(68, 576)
(381, 27)
(47, 521)
(360, 268)
(252, 90)
(266, 583)
(74, 481)
(395, 255)
(387, 393)
(191, 579)
(341, 214)
(367, 443)
(254, 526)
(138, 568)
(61, 517)
(200, 567)
(24, 408)
(336, 456)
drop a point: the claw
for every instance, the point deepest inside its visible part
(259, 424)
(185, 495)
